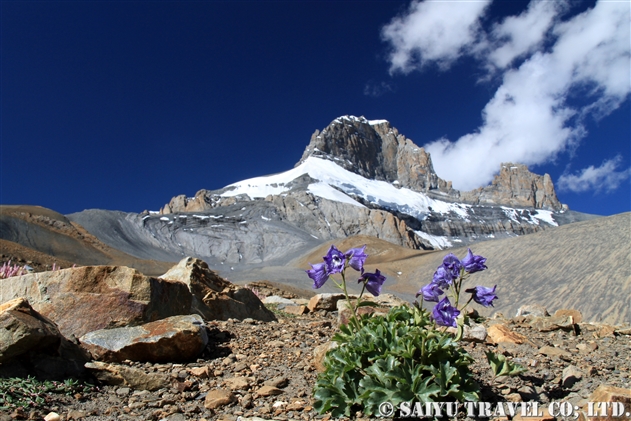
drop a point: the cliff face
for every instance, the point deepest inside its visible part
(516, 186)
(375, 150)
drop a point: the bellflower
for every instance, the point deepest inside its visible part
(442, 278)
(473, 263)
(334, 260)
(356, 258)
(452, 266)
(445, 314)
(319, 274)
(373, 281)
(483, 295)
(431, 292)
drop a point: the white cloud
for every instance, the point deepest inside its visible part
(516, 36)
(433, 31)
(604, 177)
(529, 119)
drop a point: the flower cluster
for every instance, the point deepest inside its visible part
(337, 262)
(449, 277)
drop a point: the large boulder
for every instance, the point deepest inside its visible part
(84, 299)
(177, 338)
(215, 298)
(22, 329)
(31, 344)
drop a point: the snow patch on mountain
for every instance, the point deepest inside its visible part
(336, 183)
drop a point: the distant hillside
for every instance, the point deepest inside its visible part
(44, 236)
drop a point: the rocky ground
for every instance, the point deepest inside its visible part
(255, 369)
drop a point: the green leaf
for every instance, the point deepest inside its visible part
(503, 367)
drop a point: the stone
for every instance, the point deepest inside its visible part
(238, 383)
(217, 398)
(118, 374)
(607, 393)
(473, 332)
(586, 347)
(552, 351)
(268, 391)
(498, 333)
(325, 301)
(215, 298)
(84, 299)
(296, 310)
(275, 299)
(556, 322)
(534, 310)
(200, 372)
(571, 375)
(52, 416)
(177, 338)
(319, 352)
(344, 314)
(23, 329)
(577, 316)
(279, 382)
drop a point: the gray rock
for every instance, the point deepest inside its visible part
(177, 338)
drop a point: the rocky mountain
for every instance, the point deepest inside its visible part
(355, 177)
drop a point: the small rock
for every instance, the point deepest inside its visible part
(200, 372)
(246, 401)
(238, 383)
(500, 333)
(218, 397)
(587, 347)
(268, 391)
(535, 310)
(576, 315)
(319, 352)
(279, 382)
(325, 301)
(52, 416)
(296, 310)
(554, 352)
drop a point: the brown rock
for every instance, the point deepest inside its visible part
(117, 374)
(570, 375)
(552, 351)
(576, 315)
(200, 372)
(217, 398)
(177, 338)
(549, 324)
(84, 299)
(268, 391)
(238, 383)
(344, 314)
(500, 333)
(619, 398)
(22, 329)
(215, 298)
(319, 352)
(325, 301)
(296, 310)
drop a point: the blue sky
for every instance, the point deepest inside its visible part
(123, 105)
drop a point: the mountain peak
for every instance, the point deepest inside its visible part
(375, 150)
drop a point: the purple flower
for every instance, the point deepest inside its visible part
(357, 257)
(452, 266)
(334, 260)
(430, 292)
(473, 263)
(442, 278)
(445, 314)
(483, 295)
(319, 274)
(373, 281)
